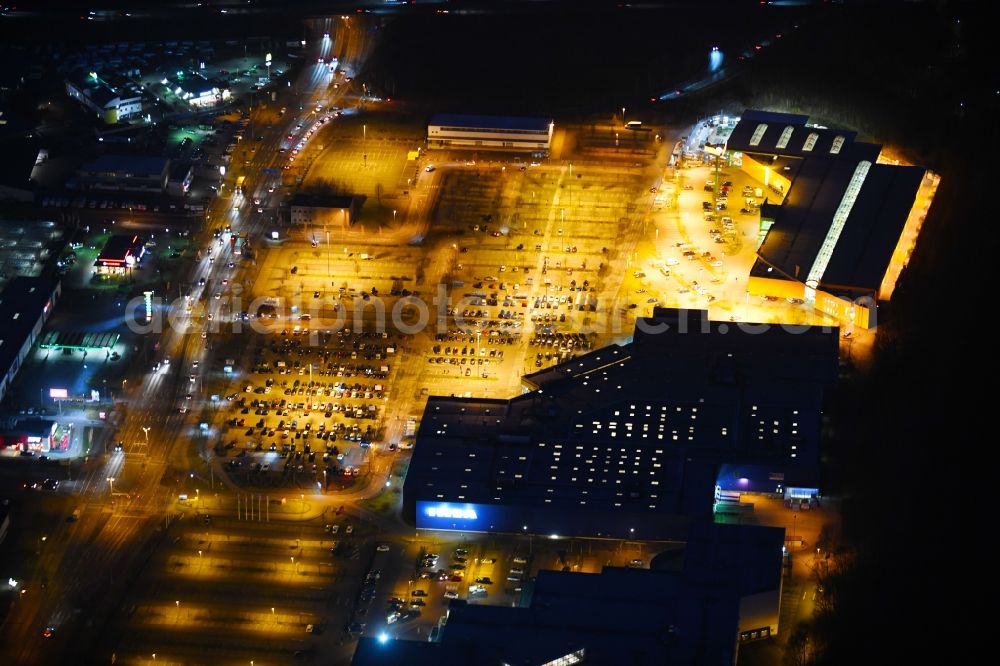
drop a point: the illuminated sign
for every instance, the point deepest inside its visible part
(445, 511)
(438, 515)
(148, 301)
(58, 393)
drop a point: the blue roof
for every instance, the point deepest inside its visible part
(866, 243)
(136, 165)
(491, 122)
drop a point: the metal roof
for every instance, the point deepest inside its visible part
(622, 430)
(120, 246)
(866, 243)
(865, 248)
(22, 303)
(491, 122)
(131, 165)
(660, 617)
(785, 134)
(323, 201)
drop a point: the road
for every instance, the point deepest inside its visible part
(123, 496)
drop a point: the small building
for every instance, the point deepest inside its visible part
(120, 254)
(448, 130)
(110, 104)
(25, 305)
(137, 173)
(629, 441)
(32, 434)
(198, 90)
(179, 182)
(324, 211)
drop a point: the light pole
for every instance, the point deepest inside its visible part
(145, 431)
(111, 481)
(623, 116)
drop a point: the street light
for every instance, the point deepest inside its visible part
(145, 430)
(111, 480)
(623, 115)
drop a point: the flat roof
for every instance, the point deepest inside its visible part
(78, 340)
(746, 558)
(662, 617)
(180, 170)
(18, 163)
(324, 201)
(467, 121)
(130, 165)
(785, 134)
(864, 248)
(120, 246)
(22, 302)
(631, 430)
(33, 427)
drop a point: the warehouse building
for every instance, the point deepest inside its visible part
(134, 173)
(840, 223)
(653, 617)
(25, 305)
(324, 211)
(120, 254)
(447, 130)
(629, 441)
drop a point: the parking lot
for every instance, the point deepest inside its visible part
(302, 415)
(257, 578)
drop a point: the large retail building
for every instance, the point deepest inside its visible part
(630, 441)
(840, 220)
